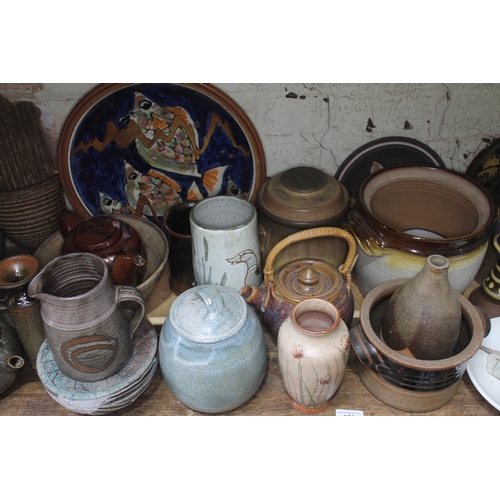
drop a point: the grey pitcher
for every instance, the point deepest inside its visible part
(86, 327)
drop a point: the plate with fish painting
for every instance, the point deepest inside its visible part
(140, 148)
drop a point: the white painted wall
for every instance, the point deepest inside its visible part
(326, 121)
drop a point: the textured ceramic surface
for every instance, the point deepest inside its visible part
(85, 325)
(26, 158)
(404, 214)
(154, 240)
(225, 243)
(404, 371)
(313, 349)
(111, 394)
(212, 350)
(11, 353)
(28, 216)
(176, 224)
(423, 316)
(303, 279)
(297, 199)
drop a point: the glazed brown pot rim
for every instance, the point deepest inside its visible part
(302, 224)
(173, 208)
(386, 289)
(402, 240)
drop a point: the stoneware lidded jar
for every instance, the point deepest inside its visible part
(212, 350)
(313, 349)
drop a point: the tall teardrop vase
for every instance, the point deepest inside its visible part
(423, 316)
(313, 349)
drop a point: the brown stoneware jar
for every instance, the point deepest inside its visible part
(297, 199)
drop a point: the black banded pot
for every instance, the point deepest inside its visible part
(402, 381)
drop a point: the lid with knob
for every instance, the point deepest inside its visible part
(208, 313)
(309, 278)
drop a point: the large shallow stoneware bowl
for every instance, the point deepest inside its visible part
(404, 214)
(153, 239)
(402, 381)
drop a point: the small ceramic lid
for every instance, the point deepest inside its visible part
(97, 233)
(309, 278)
(303, 197)
(208, 313)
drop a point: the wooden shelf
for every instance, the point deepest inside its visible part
(27, 396)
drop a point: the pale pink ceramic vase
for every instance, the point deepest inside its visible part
(313, 348)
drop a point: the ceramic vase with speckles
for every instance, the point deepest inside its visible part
(225, 243)
(313, 349)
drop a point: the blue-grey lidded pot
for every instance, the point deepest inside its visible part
(212, 350)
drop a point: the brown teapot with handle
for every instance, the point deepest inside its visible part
(303, 279)
(118, 244)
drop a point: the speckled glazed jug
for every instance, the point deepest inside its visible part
(212, 349)
(313, 349)
(423, 316)
(86, 327)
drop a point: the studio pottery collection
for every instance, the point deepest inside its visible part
(256, 285)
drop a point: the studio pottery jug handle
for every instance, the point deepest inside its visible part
(129, 293)
(317, 232)
(67, 221)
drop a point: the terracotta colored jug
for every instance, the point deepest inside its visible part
(423, 316)
(118, 244)
(303, 279)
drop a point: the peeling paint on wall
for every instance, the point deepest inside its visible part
(320, 124)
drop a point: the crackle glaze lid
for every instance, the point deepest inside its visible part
(207, 314)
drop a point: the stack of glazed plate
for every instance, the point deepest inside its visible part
(110, 394)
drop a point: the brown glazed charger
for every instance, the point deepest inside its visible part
(404, 214)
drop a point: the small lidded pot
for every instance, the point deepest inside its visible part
(212, 350)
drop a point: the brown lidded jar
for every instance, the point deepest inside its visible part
(297, 199)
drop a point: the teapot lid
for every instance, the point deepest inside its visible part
(97, 233)
(206, 314)
(309, 278)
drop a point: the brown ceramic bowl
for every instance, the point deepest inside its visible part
(153, 239)
(395, 378)
(404, 214)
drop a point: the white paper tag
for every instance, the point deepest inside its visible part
(348, 413)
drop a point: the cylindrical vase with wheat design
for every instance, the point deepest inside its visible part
(313, 348)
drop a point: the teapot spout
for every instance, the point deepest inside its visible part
(127, 268)
(268, 305)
